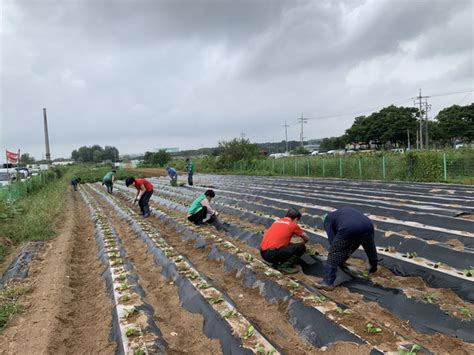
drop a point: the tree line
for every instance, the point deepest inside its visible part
(95, 154)
(392, 126)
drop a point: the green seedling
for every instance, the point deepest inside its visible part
(469, 272)
(132, 332)
(204, 286)
(365, 274)
(215, 300)
(124, 286)
(237, 251)
(411, 255)
(249, 258)
(261, 350)
(139, 352)
(169, 253)
(249, 332)
(130, 312)
(466, 312)
(228, 314)
(117, 263)
(343, 311)
(293, 284)
(413, 351)
(430, 297)
(193, 276)
(390, 249)
(319, 299)
(121, 277)
(125, 298)
(437, 265)
(372, 329)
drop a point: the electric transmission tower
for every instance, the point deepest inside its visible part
(286, 135)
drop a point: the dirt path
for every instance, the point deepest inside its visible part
(68, 310)
(182, 330)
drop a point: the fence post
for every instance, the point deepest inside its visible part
(340, 166)
(283, 167)
(307, 162)
(360, 168)
(445, 167)
(324, 168)
(383, 166)
(296, 164)
(273, 166)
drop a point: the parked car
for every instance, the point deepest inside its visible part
(5, 178)
(314, 153)
(397, 150)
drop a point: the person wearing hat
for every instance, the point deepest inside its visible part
(347, 229)
(173, 174)
(276, 247)
(144, 192)
(108, 180)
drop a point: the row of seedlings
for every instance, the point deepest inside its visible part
(133, 328)
(249, 265)
(424, 316)
(249, 338)
(438, 275)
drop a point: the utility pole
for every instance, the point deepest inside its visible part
(302, 120)
(408, 138)
(423, 108)
(286, 135)
(242, 135)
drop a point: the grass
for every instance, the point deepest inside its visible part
(9, 304)
(39, 212)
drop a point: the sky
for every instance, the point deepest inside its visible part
(147, 74)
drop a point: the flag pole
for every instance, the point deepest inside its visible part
(18, 159)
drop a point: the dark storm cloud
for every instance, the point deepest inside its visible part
(149, 74)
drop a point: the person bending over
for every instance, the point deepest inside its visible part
(108, 180)
(173, 174)
(144, 192)
(201, 211)
(347, 229)
(276, 247)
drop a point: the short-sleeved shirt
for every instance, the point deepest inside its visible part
(279, 234)
(190, 167)
(108, 176)
(346, 223)
(143, 182)
(172, 173)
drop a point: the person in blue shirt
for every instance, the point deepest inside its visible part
(173, 174)
(347, 229)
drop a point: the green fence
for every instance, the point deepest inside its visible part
(18, 189)
(430, 166)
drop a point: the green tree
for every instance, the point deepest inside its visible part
(300, 150)
(456, 123)
(332, 143)
(26, 159)
(236, 150)
(95, 154)
(161, 158)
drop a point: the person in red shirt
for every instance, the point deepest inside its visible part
(276, 246)
(144, 192)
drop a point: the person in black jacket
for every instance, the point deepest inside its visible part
(347, 229)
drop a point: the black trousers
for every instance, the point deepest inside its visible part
(198, 217)
(110, 185)
(143, 202)
(190, 179)
(341, 249)
(280, 255)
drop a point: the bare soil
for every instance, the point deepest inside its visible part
(68, 310)
(182, 330)
(447, 300)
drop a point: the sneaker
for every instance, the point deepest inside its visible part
(146, 215)
(324, 286)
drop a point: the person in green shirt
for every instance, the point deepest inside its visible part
(190, 170)
(201, 211)
(108, 180)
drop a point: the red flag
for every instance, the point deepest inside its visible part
(12, 157)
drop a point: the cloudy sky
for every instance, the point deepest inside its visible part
(147, 74)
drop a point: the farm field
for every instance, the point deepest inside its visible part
(113, 281)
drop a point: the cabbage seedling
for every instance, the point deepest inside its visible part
(372, 329)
